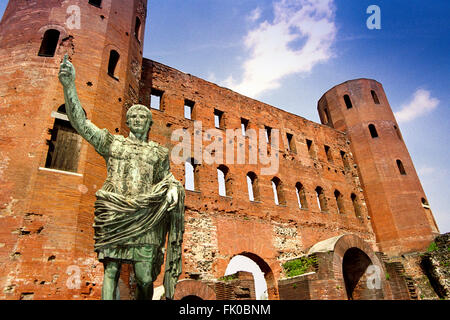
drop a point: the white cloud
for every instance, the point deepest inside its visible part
(426, 170)
(270, 45)
(254, 15)
(420, 104)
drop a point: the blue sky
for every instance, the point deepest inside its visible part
(287, 53)
(409, 55)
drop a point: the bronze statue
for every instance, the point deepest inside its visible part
(140, 202)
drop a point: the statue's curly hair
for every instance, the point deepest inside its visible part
(139, 107)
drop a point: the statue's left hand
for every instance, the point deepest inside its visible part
(172, 197)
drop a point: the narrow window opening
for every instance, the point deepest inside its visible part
(425, 203)
(64, 145)
(96, 3)
(348, 102)
(328, 153)
(251, 195)
(356, 207)
(191, 175)
(345, 160)
(321, 200)
(310, 148)
(373, 131)
(277, 188)
(268, 132)
(301, 196)
(156, 99)
(275, 193)
(339, 201)
(137, 28)
(218, 119)
(401, 169)
(397, 131)
(375, 97)
(326, 116)
(244, 126)
(224, 181)
(188, 109)
(252, 187)
(114, 57)
(291, 143)
(49, 43)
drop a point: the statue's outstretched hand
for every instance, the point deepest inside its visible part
(66, 73)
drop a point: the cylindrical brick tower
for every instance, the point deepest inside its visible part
(397, 204)
(48, 174)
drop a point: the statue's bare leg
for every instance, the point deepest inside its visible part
(144, 279)
(110, 279)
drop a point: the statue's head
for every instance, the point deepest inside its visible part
(139, 119)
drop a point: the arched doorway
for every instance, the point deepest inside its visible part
(194, 290)
(262, 273)
(354, 266)
(355, 262)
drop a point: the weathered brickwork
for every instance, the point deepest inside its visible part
(394, 195)
(46, 239)
(46, 215)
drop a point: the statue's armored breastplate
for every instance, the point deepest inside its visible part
(131, 166)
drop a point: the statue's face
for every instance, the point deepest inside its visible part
(139, 121)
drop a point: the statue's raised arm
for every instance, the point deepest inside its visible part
(100, 139)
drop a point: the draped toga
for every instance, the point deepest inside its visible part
(131, 212)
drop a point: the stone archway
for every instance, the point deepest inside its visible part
(272, 291)
(193, 290)
(354, 266)
(354, 261)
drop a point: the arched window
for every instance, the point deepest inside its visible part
(326, 116)
(301, 196)
(347, 101)
(425, 203)
(339, 201)
(309, 145)
(321, 200)
(374, 97)
(328, 153)
(291, 143)
(397, 131)
(137, 28)
(356, 207)
(64, 145)
(244, 126)
(277, 188)
(252, 186)
(49, 43)
(344, 160)
(373, 131)
(96, 3)
(191, 175)
(188, 109)
(219, 121)
(62, 109)
(224, 181)
(114, 57)
(401, 169)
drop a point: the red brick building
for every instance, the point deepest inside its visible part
(346, 190)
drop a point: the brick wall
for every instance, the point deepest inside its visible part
(47, 215)
(219, 227)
